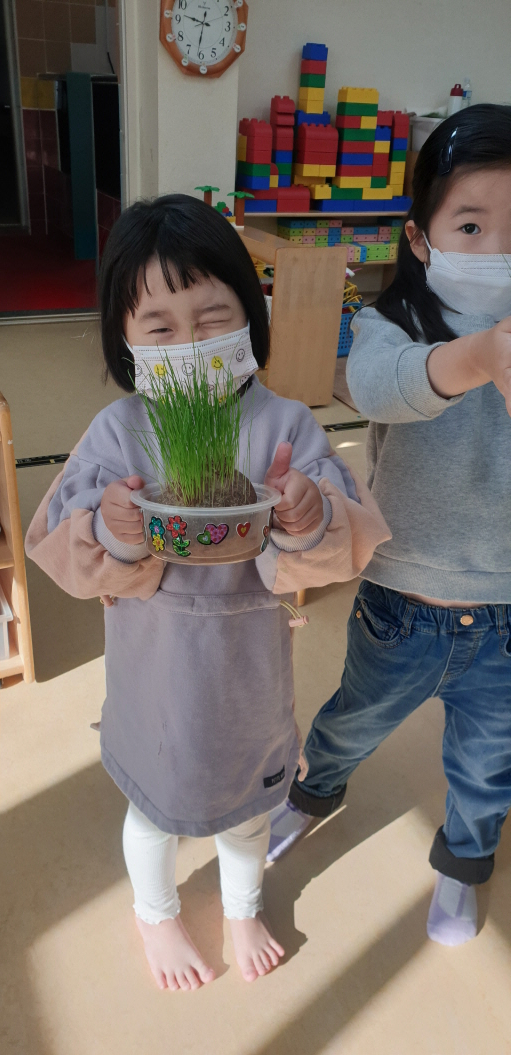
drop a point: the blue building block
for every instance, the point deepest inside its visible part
(253, 183)
(301, 118)
(317, 52)
(399, 144)
(355, 159)
(383, 134)
(349, 205)
(282, 157)
(284, 181)
(258, 205)
(364, 230)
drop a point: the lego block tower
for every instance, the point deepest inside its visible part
(357, 116)
(311, 95)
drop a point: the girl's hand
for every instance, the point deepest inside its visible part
(300, 509)
(468, 362)
(121, 517)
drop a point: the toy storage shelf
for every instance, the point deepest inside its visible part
(13, 578)
(308, 287)
(315, 214)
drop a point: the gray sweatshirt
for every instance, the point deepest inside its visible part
(197, 728)
(439, 469)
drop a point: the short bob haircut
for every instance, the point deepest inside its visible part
(191, 240)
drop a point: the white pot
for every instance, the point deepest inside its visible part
(422, 127)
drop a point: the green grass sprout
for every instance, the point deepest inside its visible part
(194, 437)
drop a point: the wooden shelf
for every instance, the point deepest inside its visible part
(6, 557)
(14, 664)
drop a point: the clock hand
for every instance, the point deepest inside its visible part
(201, 32)
(197, 20)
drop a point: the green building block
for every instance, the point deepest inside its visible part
(350, 193)
(285, 168)
(355, 135)
(378, 181)
(346, 239)
(398, 155)
(312, 80)
(250, 169)
(357, 109)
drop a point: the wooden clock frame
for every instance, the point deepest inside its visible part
(193, 69)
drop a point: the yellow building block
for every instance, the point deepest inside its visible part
(397, 169)
(368, 122)
(327, 170)
(306, 170)
(381, 146)
(311, 93)
(321, 191)
(397, 189)
(393, 251)
(274, 181)
(241, 154)
(355, 182)
(358, 95)
(307, 181)
(377, 193)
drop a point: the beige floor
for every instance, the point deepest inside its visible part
(349, 903)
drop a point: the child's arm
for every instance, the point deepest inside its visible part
(70, 541)
(471, 361)
(342, 535)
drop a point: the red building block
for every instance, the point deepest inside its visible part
(400, 125)
(355, 146)
(313, 66)
(384, 118)
(279, 119)
(283, 104)
(353, 170)
(310, 157)
(317, 138)
(265, 195)
(293, 199)
(256, 154)
(254, 129)
(283, 138)
(347, 121)
(380, 165)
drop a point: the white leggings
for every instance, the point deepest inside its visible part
(150, 856)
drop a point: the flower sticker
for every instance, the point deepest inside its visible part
(158, 543)
(217, 362)
(157, 533)
(176, 526)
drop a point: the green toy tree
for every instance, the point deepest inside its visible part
(208, 193)
(239, 205)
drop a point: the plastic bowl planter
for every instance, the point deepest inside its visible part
(206, 536)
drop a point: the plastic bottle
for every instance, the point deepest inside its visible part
(455, 101)
(467, 92)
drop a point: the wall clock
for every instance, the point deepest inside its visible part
(204, 37)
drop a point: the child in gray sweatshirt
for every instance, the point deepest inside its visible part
(431, 368)
(197, 728)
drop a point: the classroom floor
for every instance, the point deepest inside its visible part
(349, 903)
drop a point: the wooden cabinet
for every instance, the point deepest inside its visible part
(13, 578)
(308, 289)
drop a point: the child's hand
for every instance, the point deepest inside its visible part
(471, 361)
(495, 358)
(300, 509)
(121, 517)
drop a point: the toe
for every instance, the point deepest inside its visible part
(183, 980)
(259, 965)
(193, 979)
(205, 973)
(277, 947)
(172, 983)
(272, 955)
(265, 960)
(249, 973)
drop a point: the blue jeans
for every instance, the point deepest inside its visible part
(400, 653)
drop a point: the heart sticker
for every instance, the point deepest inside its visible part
(217, 532)
(204, 538)
(243, 529)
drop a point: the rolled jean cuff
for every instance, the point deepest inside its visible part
(315, 805)
(470, 870)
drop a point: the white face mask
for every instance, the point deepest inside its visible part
(471, 283)
(221, 356)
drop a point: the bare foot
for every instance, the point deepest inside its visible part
(255, 947)
(173, 958)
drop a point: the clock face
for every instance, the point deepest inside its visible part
(205, 33)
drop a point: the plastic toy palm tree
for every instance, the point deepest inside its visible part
(208, 193)
(239, 205)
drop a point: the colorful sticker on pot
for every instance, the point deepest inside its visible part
(217, 362)
(176, 527)
(243, 529)
(213, 533)
(266, 538)
(157, 533)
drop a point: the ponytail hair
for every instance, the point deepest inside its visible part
(475, 138)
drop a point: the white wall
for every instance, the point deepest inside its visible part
(413, 51)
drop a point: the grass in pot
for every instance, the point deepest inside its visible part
(202, 508)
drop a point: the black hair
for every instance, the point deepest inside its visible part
(191, 240)
(475, 138)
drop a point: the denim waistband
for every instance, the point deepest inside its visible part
(448, 620)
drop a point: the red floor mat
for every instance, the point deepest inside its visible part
(40, 273)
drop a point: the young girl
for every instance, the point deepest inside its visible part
(197, 728)
(431, 367)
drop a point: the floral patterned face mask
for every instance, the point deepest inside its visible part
(222, 356)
